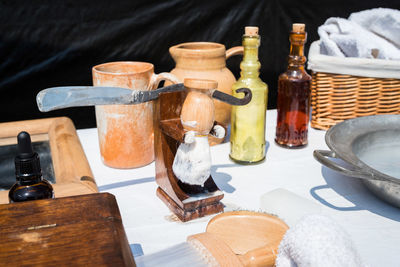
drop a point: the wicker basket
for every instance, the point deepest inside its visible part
(337, 97)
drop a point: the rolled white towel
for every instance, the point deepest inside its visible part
(317, 240)
(344, 38)
(383, 22)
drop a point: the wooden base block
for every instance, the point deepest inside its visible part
(83, 230)
(203, 209)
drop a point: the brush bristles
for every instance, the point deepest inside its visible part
(203, 252)
(181, 255)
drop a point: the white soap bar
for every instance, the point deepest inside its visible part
(288, 206)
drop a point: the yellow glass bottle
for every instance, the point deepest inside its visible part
(248, 122)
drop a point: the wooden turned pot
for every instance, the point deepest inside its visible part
(198, 109)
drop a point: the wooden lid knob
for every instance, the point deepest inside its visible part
(200, 84)
(298, 27)
(251, 30)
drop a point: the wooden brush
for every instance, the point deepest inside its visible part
(234, 239)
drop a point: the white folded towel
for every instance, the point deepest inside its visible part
(346, 38)
(384, 22)
(317, 240)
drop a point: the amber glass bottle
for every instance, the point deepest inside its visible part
(248, 122)
(293, 103)
(30, 185)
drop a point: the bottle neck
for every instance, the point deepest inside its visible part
(250, 64)
(29, 180)
(296, 57)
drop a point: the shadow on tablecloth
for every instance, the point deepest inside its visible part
(221, 178)
(107, 187)
(354, 191)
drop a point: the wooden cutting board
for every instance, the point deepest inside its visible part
(81, 230)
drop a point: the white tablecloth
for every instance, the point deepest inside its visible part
(373, 225)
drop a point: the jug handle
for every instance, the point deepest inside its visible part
(234, 51)
(163, 76)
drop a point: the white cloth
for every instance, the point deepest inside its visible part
(365, 67)
(384, 22)
(373, 225)
(346, 38)
(317, 240)
(313, 239)
(192, 162)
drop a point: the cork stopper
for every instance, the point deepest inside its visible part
(298, 27)
(200, 84)
(251, 31)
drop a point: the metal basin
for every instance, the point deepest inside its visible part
(371, 148)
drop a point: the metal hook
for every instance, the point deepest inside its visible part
(234, 100)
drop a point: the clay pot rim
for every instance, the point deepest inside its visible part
(211, 49)
(147, 67)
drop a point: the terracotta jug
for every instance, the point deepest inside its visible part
(126, 135)
(207, 60)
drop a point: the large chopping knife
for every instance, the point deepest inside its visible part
(77, 96)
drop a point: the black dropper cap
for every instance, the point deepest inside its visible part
(27, 162)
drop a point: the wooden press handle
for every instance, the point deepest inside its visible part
(264, 256)
(234, 51)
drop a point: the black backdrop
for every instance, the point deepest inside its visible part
(46, 43)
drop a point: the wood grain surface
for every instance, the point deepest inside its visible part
(253, 236)
(82, 230)
(168, 133)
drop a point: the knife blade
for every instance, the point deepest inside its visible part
(78, 96)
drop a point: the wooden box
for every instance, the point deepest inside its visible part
(82, 230)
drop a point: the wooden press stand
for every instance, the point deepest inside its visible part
(187, 202)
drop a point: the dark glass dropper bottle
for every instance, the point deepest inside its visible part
(30, 185)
